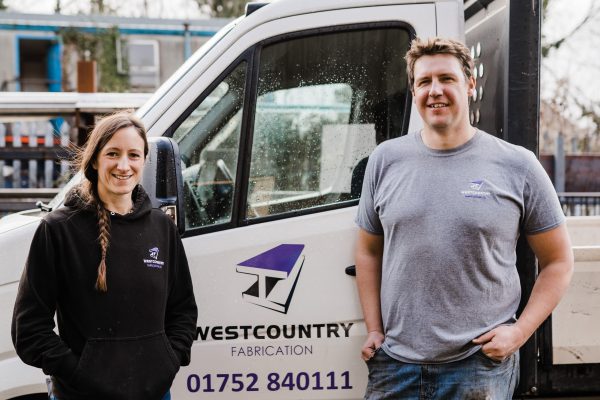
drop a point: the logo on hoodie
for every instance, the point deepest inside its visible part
(154, 262)
(154, 253)
(277, 271)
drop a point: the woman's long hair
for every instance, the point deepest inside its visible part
(88, 189)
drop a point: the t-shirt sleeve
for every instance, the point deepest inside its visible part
(542, 207)
(367, 216)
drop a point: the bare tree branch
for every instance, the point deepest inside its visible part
(223, 8)
(593, 12)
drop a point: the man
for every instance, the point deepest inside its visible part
(439, 217)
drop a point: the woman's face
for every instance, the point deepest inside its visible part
(119, 165)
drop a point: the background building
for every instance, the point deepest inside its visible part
(40, 52)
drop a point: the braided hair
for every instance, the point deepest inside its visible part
(88, 189)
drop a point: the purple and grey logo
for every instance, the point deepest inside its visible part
(153, 261)
(154, 252)
(476, 185)
(277, 271)
(475, 191)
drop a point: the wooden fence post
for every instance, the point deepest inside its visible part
(65, 140)
(16, 134)
(48, 163)
(2, 144)
(32, 167)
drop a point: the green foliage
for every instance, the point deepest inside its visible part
(85, 43)
(100, 46)
(224, 8)
(2, 5)
(110, 79)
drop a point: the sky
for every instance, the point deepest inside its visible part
(577, 61)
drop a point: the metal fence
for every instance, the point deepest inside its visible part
(13, 200)
(579, 204)
(34, 153)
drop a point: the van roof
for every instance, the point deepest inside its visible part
(280, 8)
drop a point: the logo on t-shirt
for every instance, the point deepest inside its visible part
(277, 271)
(475, 191)
(153, 262)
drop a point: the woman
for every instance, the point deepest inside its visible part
(115, 272)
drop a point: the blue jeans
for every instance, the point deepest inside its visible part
(475, 378)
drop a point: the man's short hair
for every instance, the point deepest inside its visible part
(437, 45)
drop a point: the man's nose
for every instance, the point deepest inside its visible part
(435, 89)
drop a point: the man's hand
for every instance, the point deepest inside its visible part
(501, 342)
(373, 342)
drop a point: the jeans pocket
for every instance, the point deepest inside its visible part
(492, 360)
(375, 353)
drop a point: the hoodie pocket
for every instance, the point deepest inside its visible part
(127, 368)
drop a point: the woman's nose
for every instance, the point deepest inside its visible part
(123, 163)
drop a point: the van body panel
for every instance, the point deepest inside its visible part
(16, 234)
(324, 295)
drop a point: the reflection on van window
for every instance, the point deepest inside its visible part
(208, 142)
(323, 105)
(192, 120)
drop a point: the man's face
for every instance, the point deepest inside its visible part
(441, 92)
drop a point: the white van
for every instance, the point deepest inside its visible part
(274, 118)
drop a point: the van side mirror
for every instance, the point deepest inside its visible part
(162, 178)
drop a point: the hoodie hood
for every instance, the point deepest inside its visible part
(75, 199)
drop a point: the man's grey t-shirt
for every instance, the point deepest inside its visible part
(450, 221)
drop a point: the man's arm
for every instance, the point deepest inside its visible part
(369, 254)
(555, 259)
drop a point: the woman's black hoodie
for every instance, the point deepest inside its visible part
(127, 343)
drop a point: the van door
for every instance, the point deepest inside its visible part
(273, 154)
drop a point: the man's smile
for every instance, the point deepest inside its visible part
(437, 105)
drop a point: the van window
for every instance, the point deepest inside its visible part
(323, 104)
(209, 140)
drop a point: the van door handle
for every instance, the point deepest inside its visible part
(351, 270)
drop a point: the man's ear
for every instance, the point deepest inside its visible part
(471, 83)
